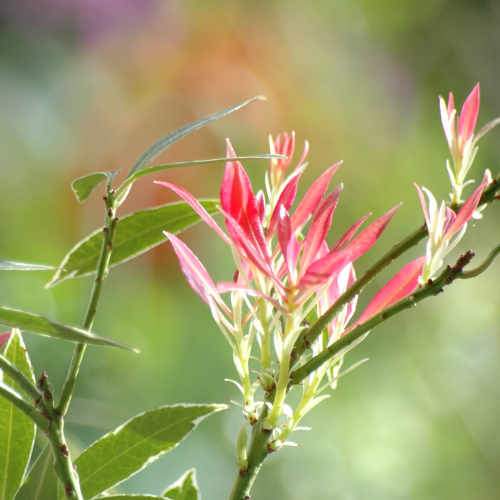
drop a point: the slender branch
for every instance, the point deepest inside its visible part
(17, 400)
(101, 273)
(435, 287)
(310, 335)
(482, 267)
(24, 382)
(258, 451)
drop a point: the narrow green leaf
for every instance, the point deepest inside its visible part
(17, 431)
(135, 234)
(165, 142)
(135, 444)
(131, 497)
(36, 323)
(122, 191)
(185, 488)
(41, 482)
(10, 265)
(83, 186)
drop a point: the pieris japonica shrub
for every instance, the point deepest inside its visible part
(288, 313)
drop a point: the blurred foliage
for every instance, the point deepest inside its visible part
(87, 85)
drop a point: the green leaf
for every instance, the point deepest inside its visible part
(131, 497)
(185, 488)
(10, 265)
(36, 323)
(137, 443)
(41, 482)
(122, 191)
(17, 431)
(165, 142)
(135, 234)
(83, 186)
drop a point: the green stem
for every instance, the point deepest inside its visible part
(310, 335)
(62, 460)
(101, 273)
(431, 288)
(16, 399)
(257, 453)
(24, 383)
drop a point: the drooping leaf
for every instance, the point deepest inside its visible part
(41, 482)
(125, 186)
(135, 234)
(84, 186)
(36, 323)
(135, 444)
(10, 265)
(185, 488)
(17, 431)
(165, 142)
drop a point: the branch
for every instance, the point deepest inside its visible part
(102, 271)
(310, 335)
(450, 274)
(481, 268)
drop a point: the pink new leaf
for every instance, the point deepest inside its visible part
(400, 286)
(196, 275)
(323, 268)
(196, 206)
(313, 196)
(467, 210)
(468, 115)
(236, 189)
(286, 197)
(288, 243)
(4, 337)
(351, 232)
(319, 229)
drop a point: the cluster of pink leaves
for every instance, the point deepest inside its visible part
(274, 254)
(282, 254)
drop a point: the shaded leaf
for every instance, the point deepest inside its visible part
(83, 186)
(10, 265)
(185, 488)
(41, 482)
(165, 142)
(135, 444)
(135, 234)
(36, 323)
(17, 431)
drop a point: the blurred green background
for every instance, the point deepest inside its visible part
(87, 85)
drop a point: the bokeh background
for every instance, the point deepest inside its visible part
(88, 84)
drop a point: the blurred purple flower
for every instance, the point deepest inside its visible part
(87, 18)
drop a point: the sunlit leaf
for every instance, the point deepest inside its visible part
(10, 265)
(131, 497)
(125, 186)
(185, 488)
(41, 482)
(17, 431)
(165, 142)
(36, 323)
(135, 234)
(83, 186)
(135, 444)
